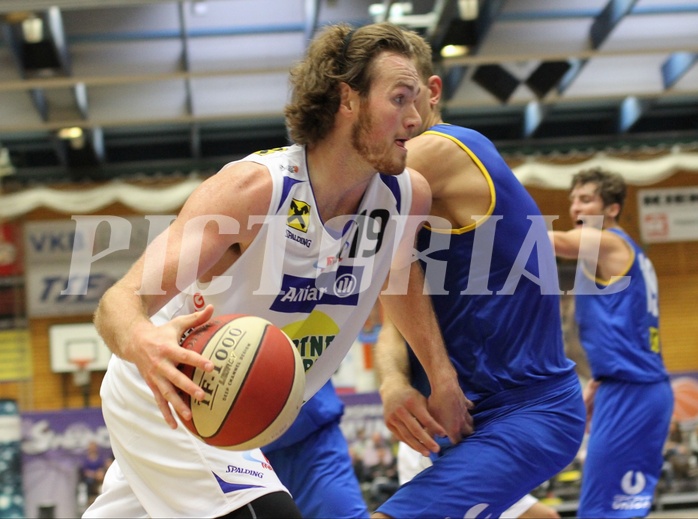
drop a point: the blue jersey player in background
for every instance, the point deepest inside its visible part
(629, 399)
(493, 282)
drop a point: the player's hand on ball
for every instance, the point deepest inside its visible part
(159, 353)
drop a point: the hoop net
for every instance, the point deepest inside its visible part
(81, 376)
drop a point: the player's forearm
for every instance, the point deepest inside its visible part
(391, 361)
(566, 244)
(119, 314)
(413, 316)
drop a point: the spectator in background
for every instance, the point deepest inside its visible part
(679, 461)
(92, 471)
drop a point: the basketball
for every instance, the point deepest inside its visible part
(255, 390)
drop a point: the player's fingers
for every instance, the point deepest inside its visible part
(417, 442)
(191, 358)
(187, 321)
(186, 385)
(420, 447)
(164, 406)
(422, 428)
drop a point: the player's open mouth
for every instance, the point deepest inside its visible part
(401, 142)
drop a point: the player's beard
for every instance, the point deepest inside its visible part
(371, 149)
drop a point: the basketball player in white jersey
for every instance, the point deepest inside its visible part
(304, 236)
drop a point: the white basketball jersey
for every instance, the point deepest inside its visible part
(315, 280)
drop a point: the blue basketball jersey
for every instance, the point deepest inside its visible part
(502, 333)
(619, 329)
(495, 293)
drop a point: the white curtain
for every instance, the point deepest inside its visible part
(533, 171)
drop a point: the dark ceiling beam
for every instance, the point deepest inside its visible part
(83, 153)
(185, 58)
(576, 66)
(194, 136)
(496, 80)
(602, 26)
(97, 142)
(38, 97)
(452, 78)
(547, 76)
(81, 101)
(675, 66)
(195, 140)
(60, 149)
(630, 111)
(608, 19)
(55, 23)
(37, 42)
(534, 113)
(488, 11)
(312, 15)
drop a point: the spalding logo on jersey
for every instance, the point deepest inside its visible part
(299, 294)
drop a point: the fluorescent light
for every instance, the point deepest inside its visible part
(454, 51)
(70, 133)
(33, 29)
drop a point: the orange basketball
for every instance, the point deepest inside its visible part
(255, 390)
(685, 399)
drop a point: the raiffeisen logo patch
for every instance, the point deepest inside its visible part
(340, 287)
(312, 336)
(298, 215)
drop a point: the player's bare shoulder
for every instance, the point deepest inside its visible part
(238, 190)
(438, 158)
(421, 193)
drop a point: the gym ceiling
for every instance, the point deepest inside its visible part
(94, 90)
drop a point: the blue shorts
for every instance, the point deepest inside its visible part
(624, 457)
(319, 474)
(517, 445)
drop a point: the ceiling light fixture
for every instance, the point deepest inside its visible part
(397, 10)
(74, 136)
(33, 29)
(454, 51)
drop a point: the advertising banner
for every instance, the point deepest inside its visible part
(54, 444)
(668, 214)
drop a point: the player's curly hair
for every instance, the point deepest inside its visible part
(610, 186)
(338, 54)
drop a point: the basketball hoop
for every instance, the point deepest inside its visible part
(81, 376)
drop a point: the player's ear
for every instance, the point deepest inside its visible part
(612, 210)
(347, 95)
(435, 86)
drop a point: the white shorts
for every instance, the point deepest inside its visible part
(161, 472)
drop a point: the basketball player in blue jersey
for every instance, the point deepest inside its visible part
(492, 277)
(629, 399)
(328, 488)
(304, 236)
